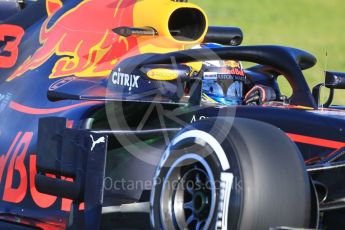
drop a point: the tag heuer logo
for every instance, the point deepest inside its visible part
(124, 79)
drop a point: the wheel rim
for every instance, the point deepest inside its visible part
(188, 194)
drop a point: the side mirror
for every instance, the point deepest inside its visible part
(335, 80)
(316, 94)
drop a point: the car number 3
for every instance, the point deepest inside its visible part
(10, 37)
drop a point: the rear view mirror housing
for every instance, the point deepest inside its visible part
(335, 80)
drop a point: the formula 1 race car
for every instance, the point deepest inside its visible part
(110, 121)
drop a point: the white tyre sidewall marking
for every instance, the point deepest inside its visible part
(209, 139)
(226, 178)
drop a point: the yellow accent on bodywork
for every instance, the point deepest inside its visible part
(207, 98)
(196, 67)
(156, 14)
(162, 74)
(52, 6)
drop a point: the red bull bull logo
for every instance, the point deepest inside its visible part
(83, 40)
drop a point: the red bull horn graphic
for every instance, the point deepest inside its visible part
(53, 6)
(83, 40)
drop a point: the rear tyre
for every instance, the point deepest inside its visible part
(249, 176)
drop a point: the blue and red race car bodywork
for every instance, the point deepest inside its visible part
(57, 61)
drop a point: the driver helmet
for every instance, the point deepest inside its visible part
(222, 80)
